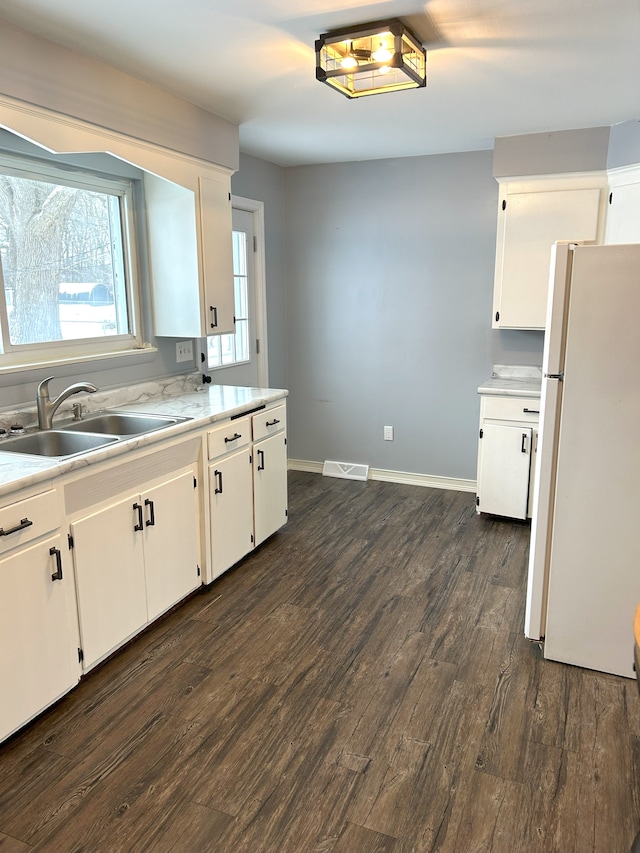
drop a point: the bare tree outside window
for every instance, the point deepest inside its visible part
(62, 262)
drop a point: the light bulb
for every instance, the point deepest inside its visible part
(348, 62)
(382, 54)
(384, 69)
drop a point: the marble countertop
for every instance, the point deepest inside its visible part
(513, 381)
(203, 404)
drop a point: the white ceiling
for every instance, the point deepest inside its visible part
(494, 67)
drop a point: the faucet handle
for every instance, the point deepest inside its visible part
(43, 387)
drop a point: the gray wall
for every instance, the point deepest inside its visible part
(379, 293)
(549, 153)
(40, 72)
(624, 147)
(389, 293)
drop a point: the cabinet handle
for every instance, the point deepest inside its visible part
(57, 575)
(218, 488)
(232, 437)
(214, 316)
(523, 447)
(24, 522)
(273, 422)
(261, 460)
(139, 525)
(531, 411)
(152, 515)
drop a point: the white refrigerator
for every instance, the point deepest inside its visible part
(584, 562)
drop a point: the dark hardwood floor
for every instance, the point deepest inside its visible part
(359, 684)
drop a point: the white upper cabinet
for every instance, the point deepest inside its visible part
(217, 257)
(190, 254)
(532, 215)
(623, 210)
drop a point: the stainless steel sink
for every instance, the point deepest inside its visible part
(122, 423)
(55, 442)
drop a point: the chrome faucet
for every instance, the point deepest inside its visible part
(47, 408)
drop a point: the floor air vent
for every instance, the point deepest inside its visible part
(347, 470)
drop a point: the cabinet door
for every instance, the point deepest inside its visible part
(39, 652)
(269, 486)
(528, 225)
(109, 561)
(503, 475)
(231, 502)
(173, 258)
(217, 254)
(623, 215)
(171, 542)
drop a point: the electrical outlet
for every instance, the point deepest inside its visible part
(184, 351)
(388, 433)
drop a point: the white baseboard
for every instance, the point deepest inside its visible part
(404, 477)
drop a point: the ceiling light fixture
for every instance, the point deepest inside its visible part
(384, 56)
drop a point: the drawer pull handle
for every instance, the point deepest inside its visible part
(273, 422)
(233, 437)
(24, 522)
(261, 461)
(531, 411)
(218, 488)
(57, 575)
(523, 447)
(139, 525)
(150, 522)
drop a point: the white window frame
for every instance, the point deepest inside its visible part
(26, 356)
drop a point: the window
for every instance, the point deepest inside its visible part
(225, 350)
(65, 263)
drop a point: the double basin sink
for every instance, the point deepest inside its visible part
(89, 433)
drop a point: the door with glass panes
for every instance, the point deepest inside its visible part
(234, 358)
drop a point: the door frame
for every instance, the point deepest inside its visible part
(256, 208)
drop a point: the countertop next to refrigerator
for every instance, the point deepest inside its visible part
(513, 381)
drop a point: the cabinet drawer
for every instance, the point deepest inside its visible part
(26, 520)
(524, 409)
(228, 436)
(269, 422)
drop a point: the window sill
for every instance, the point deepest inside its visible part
(125, 357)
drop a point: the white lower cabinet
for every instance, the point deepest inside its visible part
(171, 542)
(134, 558)
(503, 487)
(38, 622)
(247, 484)
(269, 486)
(231, 503)
(87, 563)
(506, 455)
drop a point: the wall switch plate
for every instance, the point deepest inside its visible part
(184, 351)
(388, 433)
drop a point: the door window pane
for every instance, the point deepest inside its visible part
(224, 350)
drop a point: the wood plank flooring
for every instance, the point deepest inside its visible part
(359, 684)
